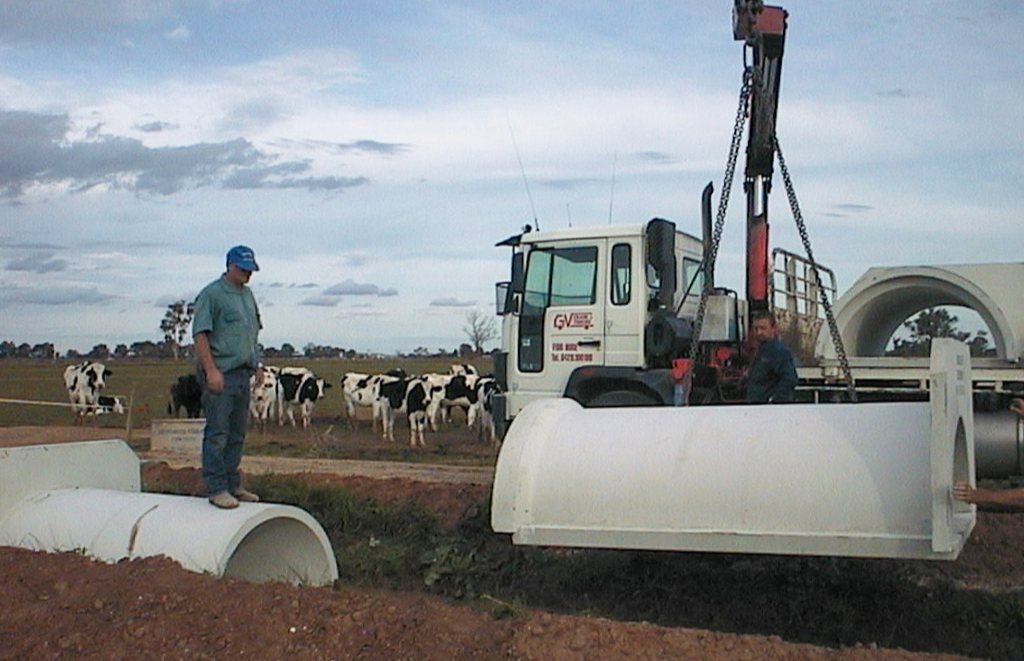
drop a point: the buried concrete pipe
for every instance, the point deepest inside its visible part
(86, 497)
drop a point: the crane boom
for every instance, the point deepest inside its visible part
(763, 29)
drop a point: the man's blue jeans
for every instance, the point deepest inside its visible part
(227, 416)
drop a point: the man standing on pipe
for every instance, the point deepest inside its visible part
(225, 330)
(772, 377)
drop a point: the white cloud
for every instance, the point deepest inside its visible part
(179, 34)
(351, 288)
(451, 302)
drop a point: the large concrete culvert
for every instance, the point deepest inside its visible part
(870, 480)
(883, 298)
(86, 497)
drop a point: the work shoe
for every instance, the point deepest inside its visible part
(224, 500)
(245, 496)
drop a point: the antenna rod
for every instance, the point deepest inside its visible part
(529, 196)
(611, 196)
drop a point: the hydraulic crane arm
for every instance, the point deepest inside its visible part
(763, 29)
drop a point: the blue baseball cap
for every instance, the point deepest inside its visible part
(243, 257)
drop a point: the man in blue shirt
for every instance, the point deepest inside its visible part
(225, 330)
(772, 377)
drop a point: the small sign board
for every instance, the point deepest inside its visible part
(184, 435)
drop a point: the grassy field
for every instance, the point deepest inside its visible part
(145, 383)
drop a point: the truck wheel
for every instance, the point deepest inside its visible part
(615, 398)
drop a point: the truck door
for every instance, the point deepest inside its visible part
(561, 323)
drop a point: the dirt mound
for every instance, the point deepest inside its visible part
(65, 606)
(450, 502)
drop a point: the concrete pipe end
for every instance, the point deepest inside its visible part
(86, 497)
(288, 545)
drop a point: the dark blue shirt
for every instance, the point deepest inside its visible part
(772, 377)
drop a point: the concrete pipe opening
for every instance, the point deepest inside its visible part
(261, 556)
(883, 298)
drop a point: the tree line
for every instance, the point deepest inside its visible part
(176, 326)
(479, 329)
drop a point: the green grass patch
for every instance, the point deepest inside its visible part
(375, 543)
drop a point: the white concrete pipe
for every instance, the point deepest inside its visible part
(86, 497)
(829, 479)
(999, 444)
(884, 297)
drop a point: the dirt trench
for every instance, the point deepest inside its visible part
(66, 606)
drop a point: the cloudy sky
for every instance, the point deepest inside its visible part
(370, 152)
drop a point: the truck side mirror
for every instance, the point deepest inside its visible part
(518, 274)
(661, 241)
(502, 298)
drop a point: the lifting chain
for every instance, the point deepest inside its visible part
(833, 327)
(708, 266)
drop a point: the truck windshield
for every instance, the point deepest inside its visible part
(559, 277)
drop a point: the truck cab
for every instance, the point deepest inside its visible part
(599, 313)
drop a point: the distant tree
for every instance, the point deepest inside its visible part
(175, 324)
(312, 350)
(99, 352)
(936, 322)
(145, 349)
(8, 349)
(121, 351)
(465, 350)
(480, 328)
(72, 354)
(44, 350)
(286, 351)
(979, 345)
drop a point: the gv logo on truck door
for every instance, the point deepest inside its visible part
(584, 320)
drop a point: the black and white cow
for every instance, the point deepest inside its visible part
(298, 386)
(185, 393)
(107, 404)
(357, 390)
(482, 411)
(263, 395)
(463, 368)
(84, 383)
(454, 390)
(362, 391)
(409, 395)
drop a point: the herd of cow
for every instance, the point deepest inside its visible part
(426, 400)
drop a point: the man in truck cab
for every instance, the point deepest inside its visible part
(772, 377)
